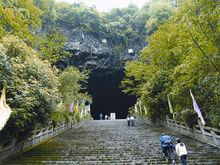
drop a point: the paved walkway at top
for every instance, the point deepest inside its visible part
(113, 142)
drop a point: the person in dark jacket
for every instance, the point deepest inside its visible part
(167, 147)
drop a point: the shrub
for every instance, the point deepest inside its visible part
(189, 117)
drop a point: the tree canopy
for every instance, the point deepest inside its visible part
(30, 45)
(182, 54)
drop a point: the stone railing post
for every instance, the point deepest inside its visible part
(167, 120)
(175, 125)
(202, 130)
(145, 110)
(187, 129)
(214, 137)
(45, 133)
(41, 133)
(181, 128)
(194, 131)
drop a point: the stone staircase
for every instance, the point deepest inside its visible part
(112, 142)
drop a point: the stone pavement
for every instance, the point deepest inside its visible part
(112, 142)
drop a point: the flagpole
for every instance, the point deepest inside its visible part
(171, 108)
(201, 128)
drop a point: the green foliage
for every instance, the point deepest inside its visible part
(71, 82)
(19, 17)
(186, 48)
(52, 47)
(48, 16)
(60, 115)
(120, 24)
(214, 115)
(51, 40)
(158, 11)
(24, 19)
(189, 117)
(34, 92)
(122, 27)
(32, 86)
(79, 16)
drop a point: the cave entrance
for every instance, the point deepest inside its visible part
(103, 85)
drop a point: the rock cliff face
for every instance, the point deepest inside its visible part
(93, 52)
(89, 51)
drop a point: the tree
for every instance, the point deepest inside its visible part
(158, 12)
(78, 16)
(21, 18)
(71, 80)
(51, 40)
(186, 47)
(32, 88)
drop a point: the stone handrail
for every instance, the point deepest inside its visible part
(39, 137)
(205, 134)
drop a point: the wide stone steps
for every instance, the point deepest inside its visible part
(112, 142)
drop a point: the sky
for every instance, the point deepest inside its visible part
(107, 5)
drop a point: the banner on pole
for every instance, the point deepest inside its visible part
(196, 108)
(170, 106)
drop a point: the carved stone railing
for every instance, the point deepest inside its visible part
(202, 133)
(205, 134)
(39, 137)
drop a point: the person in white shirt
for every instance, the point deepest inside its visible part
(128, 120)
(132, 120)
(106, 117)
(181, 151)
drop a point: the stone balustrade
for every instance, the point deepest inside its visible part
(39, 137)
(202, 133)
(113, 142)
(205, 134)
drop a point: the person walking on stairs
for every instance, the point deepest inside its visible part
(132, 121)
(128, 120)
(106, 117)
(181, 151)
(167, 147)
(100, 116)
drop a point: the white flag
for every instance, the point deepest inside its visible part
(5, 110)
(196, 108)
(170, 106)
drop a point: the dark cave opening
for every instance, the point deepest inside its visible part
(104, 86)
